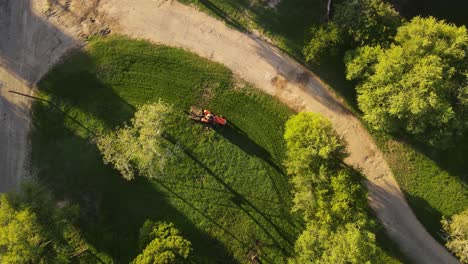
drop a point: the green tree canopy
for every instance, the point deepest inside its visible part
(162, 243)
(329, 195)
(34, 230)
(337, 198)
(354, 23)
(22, 239)
(367, 22)
(325, 40)
(456, 230)
(350, 243)
(139, 147)
(419, 84)
(311, 143)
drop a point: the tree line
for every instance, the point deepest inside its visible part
(328, 194)
(411, 76)
(34, 228)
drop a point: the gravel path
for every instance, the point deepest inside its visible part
(36, 34)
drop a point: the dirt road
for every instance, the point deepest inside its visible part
(33, 36)
(39, 32)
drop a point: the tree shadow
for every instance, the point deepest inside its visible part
(428, 216)
(452, 160)
(111, 209)
(14, 124)
(239, 200)
(285, 20)
(85, 90)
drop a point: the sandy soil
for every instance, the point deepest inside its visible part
(38, 33)
(33, 36)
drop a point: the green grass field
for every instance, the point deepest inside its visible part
(434, 182)
(225, 188)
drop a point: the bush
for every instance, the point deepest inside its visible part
(311, 143)
(162, 243)
(456, 230)
(367, 22)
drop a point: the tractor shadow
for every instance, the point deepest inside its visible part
(241, 139)
(236, 136)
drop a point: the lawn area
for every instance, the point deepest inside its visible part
(224, 189)
(434, 182)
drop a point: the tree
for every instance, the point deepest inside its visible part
(367, 22)
(162, 244)
(332, 200)
(33, 230)
(311, 143)
(355, 23)
(325, 39)
(22, 239)
(456, 230)
(328, 194)
(350, 243)
(140, 147)
(419, 85)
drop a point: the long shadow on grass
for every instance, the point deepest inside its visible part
(111, 209)
(427, 215)
(239, 138)
(85, 90)
(238, 199)
(452, 160)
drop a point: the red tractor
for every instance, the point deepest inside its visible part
(206, 116)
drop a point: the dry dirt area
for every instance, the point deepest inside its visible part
(38, 32)
(34, 35)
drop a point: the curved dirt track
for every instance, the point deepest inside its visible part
(37, 35)
(34, 34)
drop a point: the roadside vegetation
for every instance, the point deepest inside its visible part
(330, 196)
(433, 180)
(34, 229)
(224, 189)
(456, 235)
